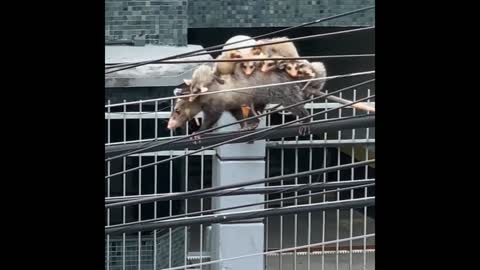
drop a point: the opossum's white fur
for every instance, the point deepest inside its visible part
(240, 44)
(286, 49)
(227, 68)
(313, 70)
(201, 78)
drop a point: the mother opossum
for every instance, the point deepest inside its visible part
(213, 105)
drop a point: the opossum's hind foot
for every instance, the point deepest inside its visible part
(304, 130)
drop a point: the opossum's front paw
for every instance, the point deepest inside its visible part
(249, 127)
(196, 138)
(304, 130)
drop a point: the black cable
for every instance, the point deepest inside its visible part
(265, 190)
(270, 129)
(261, 213)
(243, 184)
(154, 142)
(114, 228)
(250, 46)
(265, 58)
(254, 38)
(316, 127)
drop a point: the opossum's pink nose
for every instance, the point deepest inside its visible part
(172, 124)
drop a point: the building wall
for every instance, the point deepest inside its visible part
(275, 13)
(165, 22)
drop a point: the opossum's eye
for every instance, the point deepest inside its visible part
(270, 64)
(177, 111)
(252, 66)
(289, 67)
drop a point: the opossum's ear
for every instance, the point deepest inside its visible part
(203, 89)
(282, 64)
(187, 82)
(220, 81)
(177, 91)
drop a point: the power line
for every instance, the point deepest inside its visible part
(370, 72)
(263, 44)
(265, 58)
(192, 53)
(316, 127)
(242, 184)
(272, 252)
(120, 227)
(250, 214)
(267, 190)
(152, 143)
(250, 135)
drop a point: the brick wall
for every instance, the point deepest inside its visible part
(164, 22)
(275, 13)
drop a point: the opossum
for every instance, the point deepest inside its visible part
(227, 68)
(185, 110)
(201, 78)
(302, 70)
(213, 105)
(286, 49)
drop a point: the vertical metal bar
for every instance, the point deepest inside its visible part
(338, 193)
(170, 202)
(365, 195)
(108, 186)
(267, 171)
(295, 216)
(186, 211)
(353, 178)
(124, 182)
(324, 181)
(282, 156)
(309, 225)
(155, 190)
(140, 186)
(267, 206)
(201, 208)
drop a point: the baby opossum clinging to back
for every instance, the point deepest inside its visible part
(302, 69)
(201, 78)
(227, 68)
(286, 49)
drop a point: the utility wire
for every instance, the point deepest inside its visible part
(192, 53)
(272, 252)
(154, 144)
(114, 228)
(242, 184)
(263, 44)
(249, 214)
(370, 72)
(241, 137)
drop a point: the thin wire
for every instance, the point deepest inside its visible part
(153, 142)
(256, 37)
(244, 88)
(274, 251)
(265, 58)
(198, 213)
(254, 45)
(241, 184)
(237, 191)
(242, 137)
